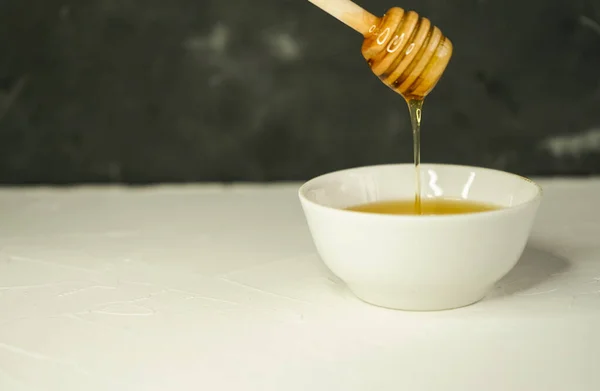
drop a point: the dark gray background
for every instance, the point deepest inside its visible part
(192, 90)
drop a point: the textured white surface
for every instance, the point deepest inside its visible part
(219, 288)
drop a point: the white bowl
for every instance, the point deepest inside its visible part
(419, 262)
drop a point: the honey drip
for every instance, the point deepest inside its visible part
(415, 107)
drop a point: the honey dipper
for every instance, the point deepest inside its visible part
(404, 50)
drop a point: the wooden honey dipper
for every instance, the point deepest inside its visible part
(404, 50)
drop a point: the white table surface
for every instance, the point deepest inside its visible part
(219, 288)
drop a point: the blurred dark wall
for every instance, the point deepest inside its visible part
(187, 90)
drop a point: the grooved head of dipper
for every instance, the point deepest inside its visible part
(407, 53)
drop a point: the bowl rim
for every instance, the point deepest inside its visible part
(303, 188)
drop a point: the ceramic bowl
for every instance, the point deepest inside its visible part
(420, 262)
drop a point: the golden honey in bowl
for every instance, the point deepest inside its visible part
(435, 206)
